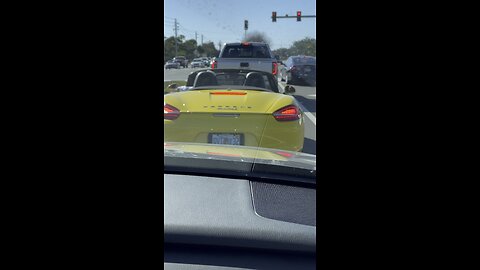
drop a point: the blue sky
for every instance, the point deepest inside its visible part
(222, 20)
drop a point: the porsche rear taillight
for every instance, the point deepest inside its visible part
(170, 112)
(274, 68)
(288, 113)
(214, 64)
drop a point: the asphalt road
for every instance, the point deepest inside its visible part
(180, 74)
(305, 95)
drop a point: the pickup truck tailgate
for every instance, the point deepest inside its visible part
(245, 63)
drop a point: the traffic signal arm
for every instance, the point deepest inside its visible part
(298, 17)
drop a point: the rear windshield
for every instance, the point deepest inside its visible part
(246, 51)
(304, 61)
(239, 79)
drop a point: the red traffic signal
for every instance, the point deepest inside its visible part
(274, 16)
(299, 16)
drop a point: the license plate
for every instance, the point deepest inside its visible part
(225, 138)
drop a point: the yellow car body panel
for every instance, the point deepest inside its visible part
(246, 112)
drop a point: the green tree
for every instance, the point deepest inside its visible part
(200, 50)
(188, 48)
(210, 50)
(169, 48)
(306, 46)
(283, 53)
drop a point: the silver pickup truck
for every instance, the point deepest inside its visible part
(246, 55)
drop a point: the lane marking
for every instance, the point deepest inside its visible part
(305, 111)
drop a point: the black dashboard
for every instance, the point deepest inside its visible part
(221, 223)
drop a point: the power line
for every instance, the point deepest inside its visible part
(184, 29)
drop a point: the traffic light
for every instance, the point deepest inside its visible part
(299, 16)
(274, 16)
(246, 25)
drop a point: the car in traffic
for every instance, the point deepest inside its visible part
(197, 62)
(247, 55)
(206, 61)
(172, 64)
(234, 107)
(298, 69)
(181, 60)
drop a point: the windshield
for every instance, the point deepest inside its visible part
(252, 114)
(304, 61)
(231, 79)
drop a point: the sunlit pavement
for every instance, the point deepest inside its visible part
(305, 95)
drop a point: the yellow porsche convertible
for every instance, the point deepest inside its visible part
(233, 107)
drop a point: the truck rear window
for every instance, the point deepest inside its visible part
(245, 51)
(304, 61)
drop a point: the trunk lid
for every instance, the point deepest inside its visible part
(223, 101)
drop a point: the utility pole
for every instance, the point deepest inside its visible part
(219, 45)
(202, 39)
(176, 44)
(196, 37)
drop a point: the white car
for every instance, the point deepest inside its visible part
(206, 61)
(197, 62)
(172, 64)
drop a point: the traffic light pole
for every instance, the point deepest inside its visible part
(245, 26)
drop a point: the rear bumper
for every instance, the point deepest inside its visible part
(257, 131)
